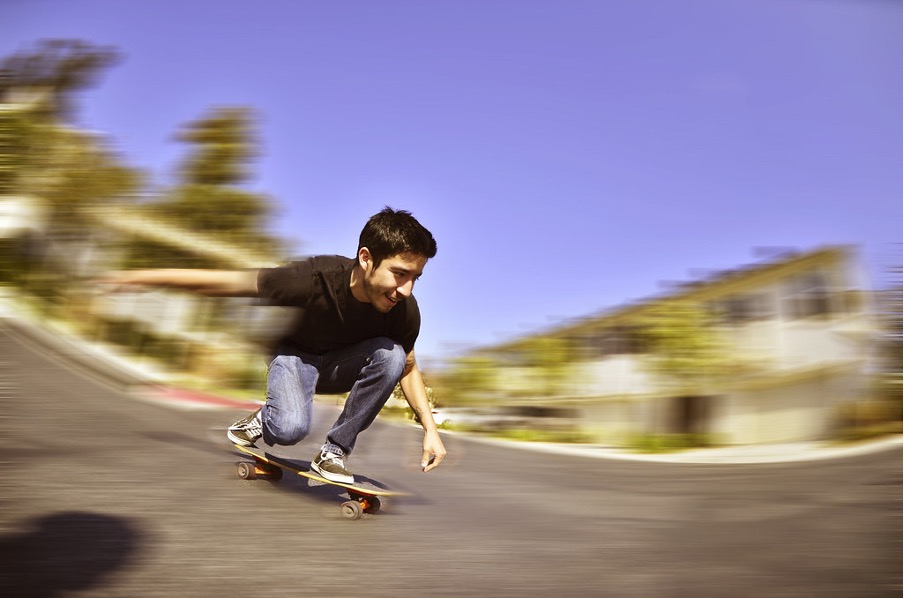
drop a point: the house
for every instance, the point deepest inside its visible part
(213, 338)
(793, 338)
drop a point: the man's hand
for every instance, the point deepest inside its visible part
(434, 451)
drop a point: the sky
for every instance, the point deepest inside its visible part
(569, 157)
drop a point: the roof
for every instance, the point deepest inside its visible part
(719, 284)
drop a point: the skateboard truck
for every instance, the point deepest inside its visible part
(360, 504)
(258, 470)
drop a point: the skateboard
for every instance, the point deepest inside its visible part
(366, 497)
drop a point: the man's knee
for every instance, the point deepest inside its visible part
(287, 417)
(390, 357)
(286, 430)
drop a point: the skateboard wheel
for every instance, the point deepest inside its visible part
(352, 509)
(275, 474)
(245, 470)
(373, 505)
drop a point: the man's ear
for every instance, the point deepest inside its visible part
(364, 258)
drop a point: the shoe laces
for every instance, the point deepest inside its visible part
(332, 458)
(254, 426)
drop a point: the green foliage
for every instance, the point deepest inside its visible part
(145, 254)
(665, 443)
(399, 397)
(228, 213)
(77, 175)
(543, 435)
(468, 381)
(891, 349)
(551, 361)
(15, 262)
(15, 135)
(686, 347)
(77, 182)
(74, 173)
(208, 199)
(48, 76)
(40, 154)
(222, 143)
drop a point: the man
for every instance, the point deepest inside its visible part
(355, 331)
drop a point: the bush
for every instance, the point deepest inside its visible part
(536, 435)
(397, 413)
(663, 443)
(869, 419)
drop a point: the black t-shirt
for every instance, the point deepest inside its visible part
(329, 316)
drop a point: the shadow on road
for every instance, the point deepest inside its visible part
(214, 444)
(66, 552)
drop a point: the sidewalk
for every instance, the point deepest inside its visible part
(747, 454)
(107, 365)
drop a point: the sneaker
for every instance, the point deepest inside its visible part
(330, 466)
(247, 430)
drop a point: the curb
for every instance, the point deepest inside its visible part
(741, 455)
(75, 354)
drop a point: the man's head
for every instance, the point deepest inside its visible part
(393, 232)
(392, 252)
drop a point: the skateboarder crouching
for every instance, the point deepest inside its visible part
(354, 332)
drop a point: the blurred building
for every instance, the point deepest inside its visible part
(214, 338)
(787, 345)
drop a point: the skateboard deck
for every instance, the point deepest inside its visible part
(366, 496)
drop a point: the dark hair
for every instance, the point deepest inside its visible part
(391, 232)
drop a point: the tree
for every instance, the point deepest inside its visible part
(222, 143)
(46, 161)
(686, 349)
(41, 154)
(209, 198)
(890, 342)
(469, 380)
(551, 363)
(15, 133)
(47, 77)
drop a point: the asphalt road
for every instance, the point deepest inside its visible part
(105, 495)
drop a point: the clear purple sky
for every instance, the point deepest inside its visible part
(568, 156)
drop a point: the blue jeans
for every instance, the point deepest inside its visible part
(368, 371)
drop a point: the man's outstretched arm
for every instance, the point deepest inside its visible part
(214, 283)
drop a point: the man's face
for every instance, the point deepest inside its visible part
(393, 280)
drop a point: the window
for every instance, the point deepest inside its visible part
(808, 296)
(739, 309)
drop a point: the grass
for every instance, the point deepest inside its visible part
(869, 432)
(667, 443)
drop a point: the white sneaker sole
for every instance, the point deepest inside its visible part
(237, 440)
(341, 479)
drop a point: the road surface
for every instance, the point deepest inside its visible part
(106, 495)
